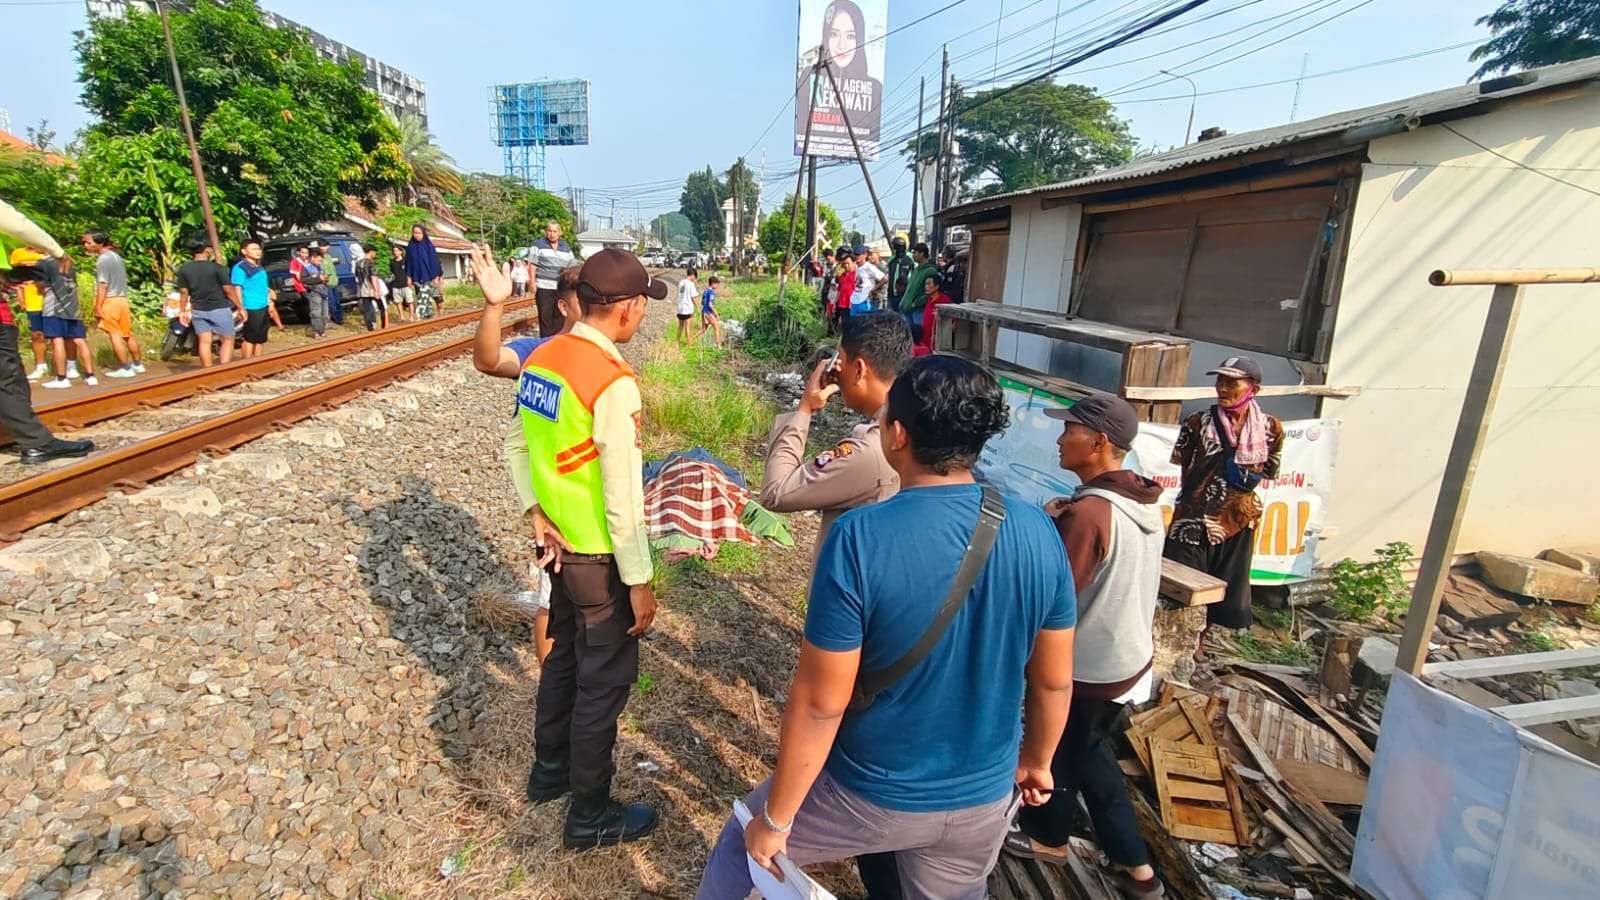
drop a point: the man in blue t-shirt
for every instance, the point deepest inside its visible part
(930, 770)
(248, 281)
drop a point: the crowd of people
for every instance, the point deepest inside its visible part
(956, 692)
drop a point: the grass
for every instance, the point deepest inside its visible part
(1283, 654)
(1541, 641)
(692, 400)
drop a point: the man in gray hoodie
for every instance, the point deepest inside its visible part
(1113, 533)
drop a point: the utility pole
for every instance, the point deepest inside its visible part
(794, 204)
(916, 162)
(939, 152)
(813, 232)
(188, 132)
(872, 192)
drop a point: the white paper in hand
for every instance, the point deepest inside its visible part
(796, 885)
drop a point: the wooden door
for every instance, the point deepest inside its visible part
(987, 276)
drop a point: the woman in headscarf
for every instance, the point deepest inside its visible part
(422, 267)
(844, 36)
(1223, 454)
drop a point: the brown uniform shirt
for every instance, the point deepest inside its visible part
(851, 473)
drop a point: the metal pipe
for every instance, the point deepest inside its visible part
(188, 132)
(1444, 277)
(794, 201)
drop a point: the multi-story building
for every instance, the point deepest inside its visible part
(400, 93)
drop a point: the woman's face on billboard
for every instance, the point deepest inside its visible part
(842, 40)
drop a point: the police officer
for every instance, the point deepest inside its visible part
(872, 351)
(580, 407)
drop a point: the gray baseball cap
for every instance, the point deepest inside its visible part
(1105, 413)
(1239, 367)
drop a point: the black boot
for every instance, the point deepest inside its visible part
(56, 449)
(596, 820)
(547, 781)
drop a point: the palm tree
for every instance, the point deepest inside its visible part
(433, 172)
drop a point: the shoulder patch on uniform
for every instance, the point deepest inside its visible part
(839, 451)
(539, 395)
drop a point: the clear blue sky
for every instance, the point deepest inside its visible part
(675, 86)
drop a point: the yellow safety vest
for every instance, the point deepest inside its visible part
(556, 394)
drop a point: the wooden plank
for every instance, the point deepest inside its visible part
(1158, 774)
(1178, 394)
(1545, 712)
(1262, 759)
(1203, 817)
(1057, 327)
(1230, 783)
(1509, 665)
(1182, 788)
(1351, 740)
(1189, 587)
(1196, 714)
(1324, 782)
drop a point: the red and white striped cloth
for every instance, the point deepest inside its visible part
(695, 498)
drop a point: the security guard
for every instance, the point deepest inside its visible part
(580, 407)
(873, 349)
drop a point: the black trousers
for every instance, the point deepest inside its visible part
(550, 319)
(1084, 763)
(16, 399)
(584, 683)
(372, 312)
(1229, 561)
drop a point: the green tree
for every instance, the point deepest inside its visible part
(1532, 33)
(775, 230)
(433, 172)
(1038, 134)
(505, 213)
(42, 136)
(142, 192)
(283, 133)
(675, 231)
(49, 193)
(701, 204)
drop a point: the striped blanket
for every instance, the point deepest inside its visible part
(697, 499)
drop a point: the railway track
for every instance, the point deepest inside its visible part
(31, 501)
(157, 392)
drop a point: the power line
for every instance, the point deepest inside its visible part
(1517, 162)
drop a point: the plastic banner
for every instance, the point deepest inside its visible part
(1463, 805)
(851, 34)
(1024, 462)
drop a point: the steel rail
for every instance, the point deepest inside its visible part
(98, 407)
(33, 501)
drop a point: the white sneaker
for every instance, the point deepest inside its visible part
(39, 371)
(72, 370)
(138, 368)
(121, 373)
(92, 381)
(57, 384)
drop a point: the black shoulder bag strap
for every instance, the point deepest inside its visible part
(991, 512)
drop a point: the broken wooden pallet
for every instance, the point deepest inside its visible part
(1197, 792)
(1182, 715)
(1284, 733)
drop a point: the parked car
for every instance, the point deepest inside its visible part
(340, 248)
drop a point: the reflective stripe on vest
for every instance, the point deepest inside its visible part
(556, 394)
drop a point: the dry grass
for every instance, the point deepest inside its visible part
(725, 640)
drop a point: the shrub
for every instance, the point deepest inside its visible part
(1362, 590)
(787, 331)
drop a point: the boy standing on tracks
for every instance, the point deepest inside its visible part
(580, 408)
(111, 304)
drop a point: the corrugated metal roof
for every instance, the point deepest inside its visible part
(606, 236)
(1447, 100)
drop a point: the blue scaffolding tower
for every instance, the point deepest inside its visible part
(527, 117)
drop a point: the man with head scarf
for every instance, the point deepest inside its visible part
(1223, 454)
(422, 267)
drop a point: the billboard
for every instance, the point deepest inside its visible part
(850, 33)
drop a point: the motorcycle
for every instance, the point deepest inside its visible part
(180, 336)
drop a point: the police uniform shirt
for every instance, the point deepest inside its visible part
(851, 473)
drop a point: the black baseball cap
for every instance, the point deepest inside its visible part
(613, 275)
(1239, 367)
(1105, 413)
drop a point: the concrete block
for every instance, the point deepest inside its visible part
(401, 400)
(1378, 657)
(312, 436)
(84, 558)
(425, 386)
(1537, 578)
(254, 466)
(1584, 559)
(188, 499)
(356, 416)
